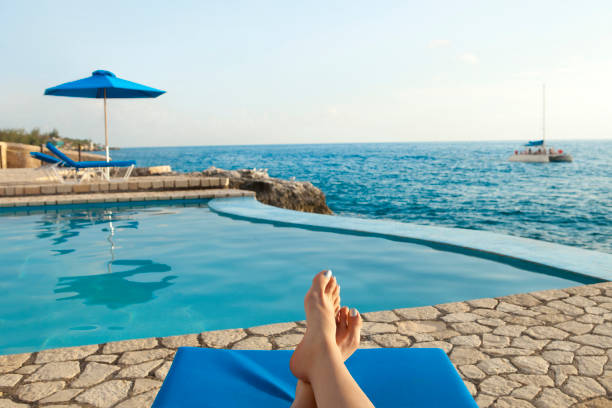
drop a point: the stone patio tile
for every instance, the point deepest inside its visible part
(547, 332)
(272, 329)
(187, 340)
(497, 386)
(162, 371)
(558, 356)
(466, 355)
(27, 369)
(469, 340)
(128, 345)
(454, 307)
(496, 366)
(288, 340)
(14, 360)
(386, 316)
(579, 301)
(486, 303)
(7, 403)
(62, 396)
(584, 290)
(139, 370)
(375, 328)
(106, 394)
(511, 330)
(566, 308)
(593, 340)
(253, 343)
(94, 373)
(145, 384)
(531, 364)
(103, 358)
(65, 354)
(583, 387)
(484, 400)
(511, 402)
(590, 351)
(553, 398)
(528, 343)
(139, 401)
(562, 373)
(447, 347)
(55, 371)
(419, 326)
(471, 328)
(539, 380)
(591, 365)
(9, 380)
(38, 390)
(527, 392)
(472, 372)
(136, 357)
(522, 299)
(222, 338)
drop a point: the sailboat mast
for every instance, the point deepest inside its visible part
(543, 115)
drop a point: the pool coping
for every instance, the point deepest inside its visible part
(25, 202)
(551, 348)
(476, 242)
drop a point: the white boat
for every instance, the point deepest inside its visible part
(537, 151)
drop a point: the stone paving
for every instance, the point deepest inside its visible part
(547, 349)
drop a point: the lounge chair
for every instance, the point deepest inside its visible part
(400, 377)
(92, 165)
(50, 164)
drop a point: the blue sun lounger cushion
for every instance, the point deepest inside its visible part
(87, 164)
(46, 158)
(400, 377)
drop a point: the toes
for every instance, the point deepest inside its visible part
(343, 314)
(331, 286)
(322, 280)
(341, 322)
(354, 322)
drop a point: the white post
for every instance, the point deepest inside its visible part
(106, 128)
(543, 115)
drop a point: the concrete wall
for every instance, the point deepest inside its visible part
(3, 147)
(18, 155)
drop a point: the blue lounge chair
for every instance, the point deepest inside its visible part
(400, 377)
(50, 164)
(89, 165)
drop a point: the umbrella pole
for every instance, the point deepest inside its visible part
(106, 128)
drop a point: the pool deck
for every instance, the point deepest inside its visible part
(550, 348)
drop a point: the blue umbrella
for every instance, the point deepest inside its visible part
(103, 84)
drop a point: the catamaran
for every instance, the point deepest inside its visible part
(536, 151)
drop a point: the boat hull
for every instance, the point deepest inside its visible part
(529, 158)
(540, 158)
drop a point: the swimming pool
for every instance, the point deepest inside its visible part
(91, 274)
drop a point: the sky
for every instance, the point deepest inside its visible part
(276, 72)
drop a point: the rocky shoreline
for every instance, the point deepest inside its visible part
(289, 194)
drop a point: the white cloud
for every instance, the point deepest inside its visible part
(439, 43)
(469, 58)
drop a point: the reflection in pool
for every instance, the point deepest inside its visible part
(90, 275)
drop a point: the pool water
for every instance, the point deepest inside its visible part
(74, 276)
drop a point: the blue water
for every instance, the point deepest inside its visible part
(465, 185)
(93, 274)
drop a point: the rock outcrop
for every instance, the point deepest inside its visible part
(293, 195)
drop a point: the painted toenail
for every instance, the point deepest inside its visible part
(353, 312)
(328, 273)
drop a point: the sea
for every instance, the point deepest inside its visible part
(462, 185)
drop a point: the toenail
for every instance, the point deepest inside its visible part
(353, 312)
(328, 273)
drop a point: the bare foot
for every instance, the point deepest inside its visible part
(320, 303)
(348, 331)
